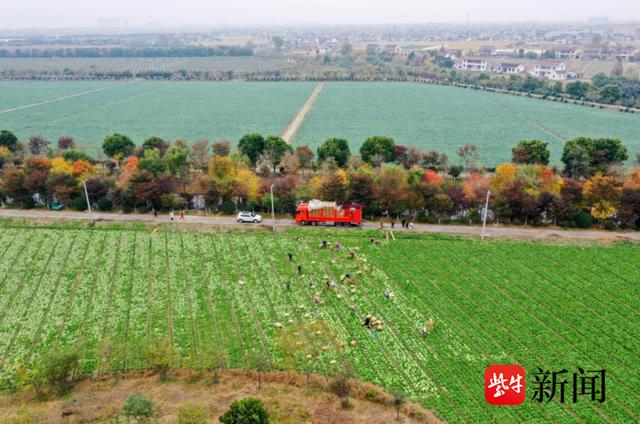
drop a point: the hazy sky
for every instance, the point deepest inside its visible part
(83, 13)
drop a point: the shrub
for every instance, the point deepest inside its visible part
(192, 414)
(246, 411)
(160, 356)
(583, 220)
(55, 372)
(138, 407)
(80, 204)
(228, 208)
(105, 204)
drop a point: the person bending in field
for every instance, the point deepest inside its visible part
(338, 245)
(288, 284)
(324, 244)
(299, 269)
(367, 322)
(352, 254)
(290, 256)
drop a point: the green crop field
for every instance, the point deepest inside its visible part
(430, 117)
(546, 306)
(190, 110)
(445, 118)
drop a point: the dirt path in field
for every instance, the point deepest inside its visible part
(492, 231)
(294, 126)
(57, 99)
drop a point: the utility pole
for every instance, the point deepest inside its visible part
(86, 194)
(484, 215)
(273, 213)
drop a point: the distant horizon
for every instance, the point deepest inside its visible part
(84, 14)
(161, 26)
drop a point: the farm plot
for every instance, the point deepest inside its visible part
(108, 294)
(172, 110)
(445, 118)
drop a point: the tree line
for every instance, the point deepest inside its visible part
(391, 180)
(93, 52)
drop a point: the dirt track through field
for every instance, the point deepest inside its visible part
(289, 133)
(57, 99)
(493, 231)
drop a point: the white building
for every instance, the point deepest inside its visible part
(472, 63)
(567, 53)
(508, 68)
(550, 69)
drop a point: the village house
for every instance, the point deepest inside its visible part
(472, 63)
(508, 68)
(505, 53)
(626, 53)
(593, 53)
(452, 54)
(393, 48)
(550, 69)
(567, 53)
(487, 51)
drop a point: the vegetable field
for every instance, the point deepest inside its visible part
(108, 293)
(445, 118)
(431, 117)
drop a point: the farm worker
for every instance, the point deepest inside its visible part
(290, 255)
(411, 225)
(338, 245)
(367, 321)
(423, 330)
(288, 284)
(299, 269)
(182, 215)
(430, 325)
(171, 216)
(324, 244)
(352, 254)
(404, 223)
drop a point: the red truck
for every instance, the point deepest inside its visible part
(316, 212)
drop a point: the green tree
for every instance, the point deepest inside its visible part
(378, 145)
(152, 162)
(177, 160)
(117, 145)
(251, 145)
(577, 89)
(336, 148)
(275, 148)
(610, 93)
(531, 152)
(155, 142)
(8, 140)
(246, 411)
(584, 156)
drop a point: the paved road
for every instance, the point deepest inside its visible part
(492, 231)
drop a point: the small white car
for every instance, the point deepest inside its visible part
(249, 217)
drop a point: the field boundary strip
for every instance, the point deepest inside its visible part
(290, 132)
(527, 119)
(57, 99)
